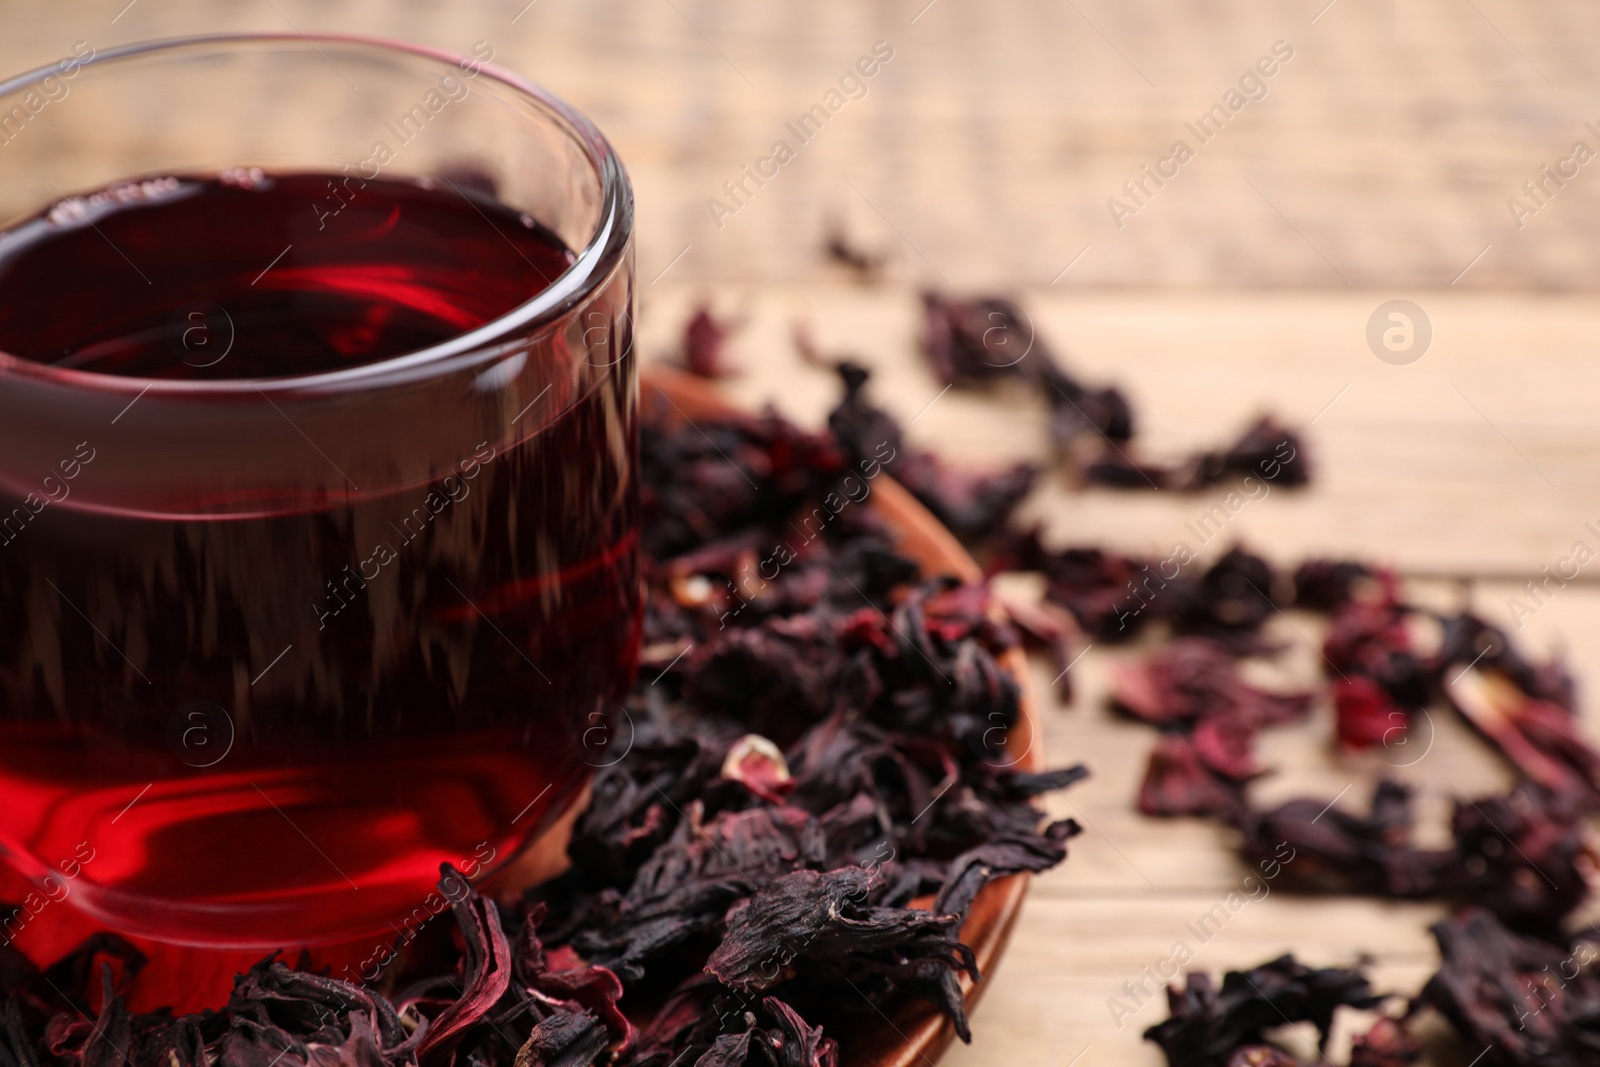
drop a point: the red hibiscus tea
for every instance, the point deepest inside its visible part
(318, 544)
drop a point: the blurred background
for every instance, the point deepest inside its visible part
(1017, 148)
(1382, 154)
(1394, 151)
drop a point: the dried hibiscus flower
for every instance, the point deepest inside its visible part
(973, 341)
(1541, 739)
(1196, 678)
(1266, 454)
(1524, 855)
(704, 346)
(1266, 450)
(1106, 593)
(1211, 1027)
(975, 505)
(1178, 781)
(1525, 1002)
(1210, 716)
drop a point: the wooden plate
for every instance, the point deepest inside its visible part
(912, 1033)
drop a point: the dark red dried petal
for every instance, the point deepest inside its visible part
(759, 766)
(485, 969)
(1366, 715)
(703, 341)
(1209, 1027)
(1388, 1043)
(1226, 744)
(1540, 738)
(1178, 782)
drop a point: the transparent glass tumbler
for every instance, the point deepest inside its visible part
(275, 647)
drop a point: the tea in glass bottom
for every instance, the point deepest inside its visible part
(258, 714)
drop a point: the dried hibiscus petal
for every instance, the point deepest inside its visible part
(1105, 592)
(969, 341)
(828, 920)
(1388, 1043)
(1196, 678)
(1335, 850)
(1324, 585)
(1209, 1025)
(566, 1039)
(974, 504)
(1526, 1002)
(842, 930)
(1366, 715)
(1226, 744)
(759, 766)
(1178, 782)
(1468, 640)
(1540, 738)
(973, 869)
(559, 981)
(1525, 856)
(1266, 450)
(485, 969)
(704, 340)
(1235, 596)
(682, 892)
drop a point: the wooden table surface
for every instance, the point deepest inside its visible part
(1379, 164)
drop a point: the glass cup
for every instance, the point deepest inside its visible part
(273, 648)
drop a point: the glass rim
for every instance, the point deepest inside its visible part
(592, 266)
